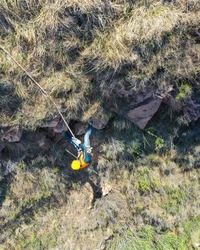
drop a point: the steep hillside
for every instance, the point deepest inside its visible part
(132, 70)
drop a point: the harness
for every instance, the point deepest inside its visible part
(83, 163)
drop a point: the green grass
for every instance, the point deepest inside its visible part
(148, 239)
(176, 199)
(144, 180)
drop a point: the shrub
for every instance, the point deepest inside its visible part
(184, 92)
(113, 149)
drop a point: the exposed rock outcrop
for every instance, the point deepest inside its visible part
(57, 125)
(140, 106)
(6, 167)
(80, 128)
(100, 119)
(11, 134)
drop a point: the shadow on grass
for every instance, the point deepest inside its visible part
(4, 186)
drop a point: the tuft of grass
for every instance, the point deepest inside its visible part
(9, 101)
(113, 149)
(17, 11)
(176, 199)
(145, 181)
(184, 92)
(121, 124)
(32, 113)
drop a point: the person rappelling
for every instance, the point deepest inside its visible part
(84, 157)
(84, 150)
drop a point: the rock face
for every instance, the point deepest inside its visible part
(5, 26)
(188, 107)
(57, 125)
(6, 168)
(100, 119)
(11, 134)
(139, 107)
(141, 115)
(19, 145)
(80, 128)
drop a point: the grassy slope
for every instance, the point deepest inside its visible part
(78, 52)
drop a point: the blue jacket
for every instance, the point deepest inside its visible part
(86, 156)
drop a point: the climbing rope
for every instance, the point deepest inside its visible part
(71, 154)
(47, 96)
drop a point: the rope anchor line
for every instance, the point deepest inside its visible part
(71, 153)
(41, 89)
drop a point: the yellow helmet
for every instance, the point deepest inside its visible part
(75, 165)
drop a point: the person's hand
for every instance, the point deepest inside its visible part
(89, 150)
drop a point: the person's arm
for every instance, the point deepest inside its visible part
(68, 137)
(74, 141)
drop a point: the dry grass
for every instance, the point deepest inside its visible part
(57, 38)
(58, 83)
(15, 11)
(119, 44)
(94, 107)
(33, 112)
